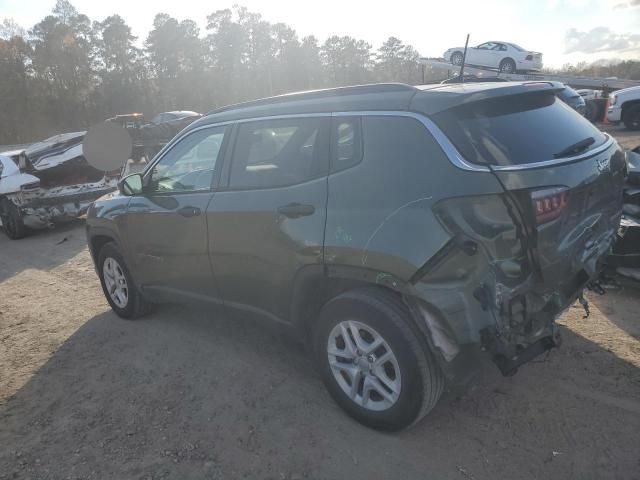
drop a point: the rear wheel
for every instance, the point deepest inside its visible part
(507, 66)
(457, 58)
(373, 362)
(631, 117)
(117, 284)
(12, 221)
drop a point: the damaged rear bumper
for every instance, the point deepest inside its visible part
(41, 208)
(484, 292)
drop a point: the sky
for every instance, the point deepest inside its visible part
(563, 30)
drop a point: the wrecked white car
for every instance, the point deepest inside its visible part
(47, 183)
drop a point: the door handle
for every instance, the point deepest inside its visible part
(296, 210)
(189, 211)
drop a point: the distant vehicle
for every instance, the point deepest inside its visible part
(504, 56)
(498, 207)
(589, 94)
(572, 98)
(47, 183)
(163, 127)
(624, 106)
(149, 138)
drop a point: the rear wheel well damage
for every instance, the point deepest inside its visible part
(429, 322)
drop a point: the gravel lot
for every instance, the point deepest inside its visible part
(182, 394)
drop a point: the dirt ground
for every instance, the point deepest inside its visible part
(182, 394)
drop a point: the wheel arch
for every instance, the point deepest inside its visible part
(98, 237)
(315, 287)
(97, 242)
(454, 52)
(508, 59)
(627, 105)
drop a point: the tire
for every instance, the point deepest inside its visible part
(12, 222)
(413, 380)
(134, 304)
(456, 58)
(507, 66)
(631, 117)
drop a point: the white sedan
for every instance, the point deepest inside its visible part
(506, 57)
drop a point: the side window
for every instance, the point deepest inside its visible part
(271, 153)
(502, 47)
(190, 164)
(484, 46)
(346, 144)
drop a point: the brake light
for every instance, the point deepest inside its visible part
(549, 203)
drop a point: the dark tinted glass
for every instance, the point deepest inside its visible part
(516, 130)
(280, 152)
(347, 143)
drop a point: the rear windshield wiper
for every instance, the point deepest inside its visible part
(577, 147)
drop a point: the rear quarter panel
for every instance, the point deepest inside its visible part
(379, 214)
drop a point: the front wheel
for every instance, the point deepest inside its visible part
(373, 362)
(117, 284)
(631, 118)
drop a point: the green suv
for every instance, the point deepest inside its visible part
(401, 231)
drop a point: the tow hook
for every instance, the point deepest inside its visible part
(585, 304)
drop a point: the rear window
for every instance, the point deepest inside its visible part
(516, 130)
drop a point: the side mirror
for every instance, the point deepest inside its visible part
(131, 185)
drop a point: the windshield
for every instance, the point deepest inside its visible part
(516, 130)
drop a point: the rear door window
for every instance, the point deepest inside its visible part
(517, 130)
(280, 152)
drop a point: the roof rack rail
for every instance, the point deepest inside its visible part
(317, 94)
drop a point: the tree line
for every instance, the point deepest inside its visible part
(67, 72)
(629, 69)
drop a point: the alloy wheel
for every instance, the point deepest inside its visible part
(363, 365)
(116, 282)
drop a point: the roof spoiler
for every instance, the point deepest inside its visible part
(454, 95)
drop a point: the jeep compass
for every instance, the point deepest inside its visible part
(401, 231)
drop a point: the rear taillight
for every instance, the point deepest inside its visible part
(529, 57)
(549, 203)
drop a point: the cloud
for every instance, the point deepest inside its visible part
(601, 39)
